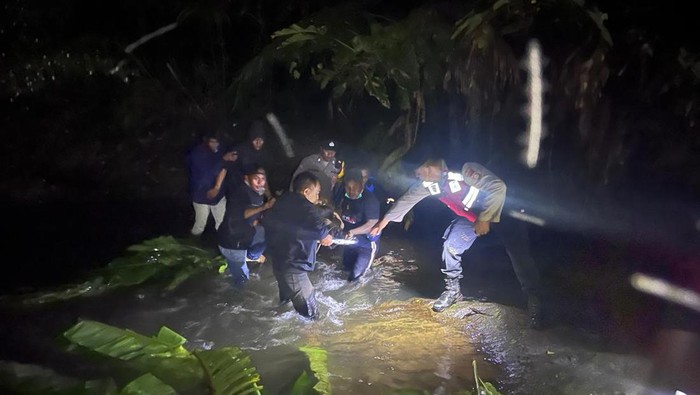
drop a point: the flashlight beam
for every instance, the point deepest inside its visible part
(534, 66)
(148, 37)
(521, 215)
(277, 127)
(665, 290)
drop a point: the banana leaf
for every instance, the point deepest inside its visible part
(159, 259)
(163, 244)
(318, 361)
(304, 385)
(125, 344)
(224, 371)
(228, 371)
(18, 378)
(162, 355)
(147, 384)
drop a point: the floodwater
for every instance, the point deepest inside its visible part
(379, 333)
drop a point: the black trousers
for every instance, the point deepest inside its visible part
(514, 235)
(297, 287)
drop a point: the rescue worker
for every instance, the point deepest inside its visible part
(359, 211)
(294, 229)
(476, 196)
(324, 166)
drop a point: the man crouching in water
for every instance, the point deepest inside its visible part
(476, 196)
(294, 228)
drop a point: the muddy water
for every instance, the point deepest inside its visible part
(379, 333)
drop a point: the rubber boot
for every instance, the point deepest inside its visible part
(450, 296)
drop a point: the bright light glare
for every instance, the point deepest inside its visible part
(281, 134)
(534, 66)
(521, 215)
(680, 393)
(148, 37)
(666, 290)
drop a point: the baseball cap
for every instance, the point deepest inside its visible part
(330, 145)
(253, 168)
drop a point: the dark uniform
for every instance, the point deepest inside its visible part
(294, 227)
(355, 213)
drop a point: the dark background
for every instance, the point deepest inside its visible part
(93, 156)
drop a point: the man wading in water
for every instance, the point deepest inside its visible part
(476, 196)
(294, 228)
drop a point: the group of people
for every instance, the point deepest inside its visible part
(249, 220)
(327, 203)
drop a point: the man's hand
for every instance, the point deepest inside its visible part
(211, 194)
(481, 227)
(340, 220)
(326, 241)
(268, 205)
(376, 229)
(349, 235)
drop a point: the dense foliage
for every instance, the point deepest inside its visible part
(93, 102)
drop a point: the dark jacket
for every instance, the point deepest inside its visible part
(247, 156)
(204, 166)
(293, 228)
(236, 232)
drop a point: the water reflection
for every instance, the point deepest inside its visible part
(378, 335)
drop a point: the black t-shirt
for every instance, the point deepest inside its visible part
(293, 228)
(247, 155)
(236, 232)
(355, 212)
(234, 178)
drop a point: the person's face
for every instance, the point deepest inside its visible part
(327, 155)
(258, 143)
(213, 144)
(312, 194)
(353, 189)
(257, 181)
(429, 173)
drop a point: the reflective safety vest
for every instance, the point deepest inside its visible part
(457, 195)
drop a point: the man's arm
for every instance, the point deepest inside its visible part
(310, 228)
(251, 211)
(364, 228)
(211, 194)
(313, 228)
(493, 202)
(402, 206)
(495, 196)
(494, 189)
